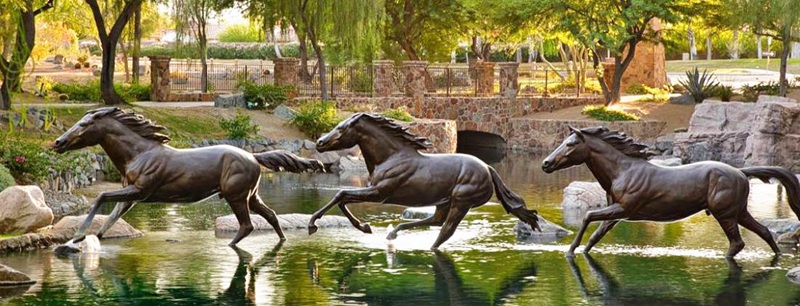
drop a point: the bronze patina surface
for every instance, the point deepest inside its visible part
(640, 191)
(152, 171)
(400, 174)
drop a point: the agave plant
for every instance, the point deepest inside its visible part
(700, 85)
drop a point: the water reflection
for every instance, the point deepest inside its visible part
(242, 288)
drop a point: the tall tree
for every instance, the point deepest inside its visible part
(192, 16)
(615, 25)
(778, 19)
(420, 28)
(108, 42)
(23, 18)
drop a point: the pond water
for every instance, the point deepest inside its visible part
(483, 264)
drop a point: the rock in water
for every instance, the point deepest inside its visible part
(287, 221)
(584, 195)
(550, 231)
(794, 275)
(11, 277)
(418, 213)
(89, 245)
(23, 209)
(121, 229)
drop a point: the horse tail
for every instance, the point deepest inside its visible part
(787, 179)
(282, 160)
(512, 203)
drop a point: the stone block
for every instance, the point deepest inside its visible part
(230, 100)
(287, 221)
(23, 209)
(120, 229)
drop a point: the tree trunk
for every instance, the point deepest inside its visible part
(24, 42)
(408, 48)
(758, 46)
(323, 84)
(612, 94)
(137, 43)
(708, 48)
(124, 50)
(203, 66)
(734, 48)
(692, 44)
(107, 91)
(787, 48)
(303, 47)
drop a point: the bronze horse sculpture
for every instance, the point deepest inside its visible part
(400, 174)
(153, 171)
(640, 191)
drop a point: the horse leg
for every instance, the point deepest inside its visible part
(731, 229)
(241, 210)
(119, 211)
(454, 217)
(750, 223)
(343, 197)
(615, 211)
(437, 219)
(598, 234)
(129, 193)
(258, 206)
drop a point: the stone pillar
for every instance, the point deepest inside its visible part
(159, 78)
(382, 80)
(485, 78)
(509, 85)
(286, 71)
(648, 66)
(414, 72)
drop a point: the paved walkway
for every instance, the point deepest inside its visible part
(737, 80)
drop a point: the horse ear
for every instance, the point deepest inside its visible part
(576, 132)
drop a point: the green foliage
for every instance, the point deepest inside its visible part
(751, 92)
(660, 94)
(604, 113)
(636, 89)
(699, 85)
(724, 92)
(90, 91)
(316, 117)
(238, 127)
(360, 81)
(238, 51)
(241, 33)
(266, 96)
(6, 180)
(110, 172)
(29, 162)
(398, 114)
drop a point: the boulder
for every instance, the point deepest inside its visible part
(787, 230)
(684, 99)
(288, 222)
(418, 213)
(716, 116)
(89, 245)
(230, 100)
(352, 164)
(326, 158)
(284, 112)
(794, 275)
(726, 147)
(121, 229)
(550, 232)
(584, 195)
(23, 209)
(11, 277)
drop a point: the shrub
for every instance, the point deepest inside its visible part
(21, 157)
(315, 117)
(89, 91)
(265, 96)
(133, 92)
(606, 114)
(239, 127)
(724, 93)
(360, 81)
(6, 180)
(110, 172)
(699, 85)
(240, 33)
(398, 114)
(637, 89)
(660, 95)
(751, 92)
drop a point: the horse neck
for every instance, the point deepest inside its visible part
(123, 145)
(377, 146)
(606, 162)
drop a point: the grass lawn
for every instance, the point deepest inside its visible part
(730, 66)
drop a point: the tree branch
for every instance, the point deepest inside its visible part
(45, 7)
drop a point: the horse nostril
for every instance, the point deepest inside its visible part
(546, 164)
(319, 143)
(57, 142)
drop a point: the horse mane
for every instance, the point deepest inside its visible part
(619, 141)
(135, 122)
(398, 131)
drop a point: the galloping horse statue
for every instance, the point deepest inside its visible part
(152, 171)
(400, 174)
(640, 191)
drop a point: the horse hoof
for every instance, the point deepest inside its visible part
(570, 254)
(312, 229)
(78, 239)
(391, 236)
(367, 229)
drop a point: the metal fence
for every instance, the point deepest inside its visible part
(450, 81)
(186, 75)
(533, 80)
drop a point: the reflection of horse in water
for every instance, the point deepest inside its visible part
(733, 292)
(449, 287)
(242, 289)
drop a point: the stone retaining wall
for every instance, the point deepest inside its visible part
(442, 133)
(545, 135)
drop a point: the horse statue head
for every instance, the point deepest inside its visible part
(351, 131)
(578, 146)
(102, 122)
